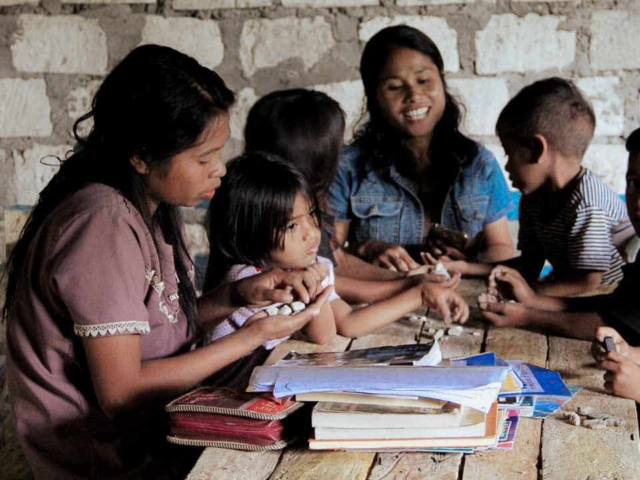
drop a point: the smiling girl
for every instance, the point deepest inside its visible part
(410, 166)
(265, 216)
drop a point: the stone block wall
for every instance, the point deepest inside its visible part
(54, 54)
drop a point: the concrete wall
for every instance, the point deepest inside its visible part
(54, 53)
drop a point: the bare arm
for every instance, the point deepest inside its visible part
(123, 382)
(322, 328)
(581, 281)
(499, 243)
(354, 267)
(581, 325)
(355, 323)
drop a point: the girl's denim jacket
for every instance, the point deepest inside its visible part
(388, 209)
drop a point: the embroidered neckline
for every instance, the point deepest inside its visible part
(158, 285)
(103, 329)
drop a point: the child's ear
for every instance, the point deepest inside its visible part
(539, 148)
(138, 165)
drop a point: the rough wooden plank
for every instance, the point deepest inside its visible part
(572, 452)
(573, 360)
(515, 344)
(217, 463)
(519, 463)
(302, 464)
(577, 452)
(402, 332)
(522, 461)
(416, 466)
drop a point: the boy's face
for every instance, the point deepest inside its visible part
(633, 190)
(525, 172)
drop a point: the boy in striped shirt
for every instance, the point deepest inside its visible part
(568, 216)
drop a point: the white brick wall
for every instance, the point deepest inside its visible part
(604, 95)
(216, 4)
(244, 101)
(59, 44)
(34, 168)
(530, 44)
(79, 103)
(445, 37)
(610, 163)
(484, 99)
(25, 108)
(265, 43)
(328, 3)
(200, 39)
(615, 38)
(350, 96)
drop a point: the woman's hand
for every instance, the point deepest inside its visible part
(278, 326)
(278, 286)
(390, 256)
(424, 274)
(597, 349)
(448, 302)
(501, 314)
(441, 250)
(509, 283)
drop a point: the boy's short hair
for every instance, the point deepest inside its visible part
(633, 141)
(554, 108)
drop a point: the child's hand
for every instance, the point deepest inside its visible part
(503, 314)
(390, 256)
(622, 377)
(509, 283)
(312, 278)
(597, 349)
(447, 301)
(453, 282)
(279, 326)
(453, 266)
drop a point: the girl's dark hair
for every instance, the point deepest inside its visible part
(248, 217)
(156, 103)
(305, 127)
(378, 141)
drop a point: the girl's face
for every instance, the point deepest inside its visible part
(301, 239)
(411, 94)
(192, 175)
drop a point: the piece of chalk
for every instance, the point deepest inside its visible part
(298, 307)
(272, 310)
(285, 310)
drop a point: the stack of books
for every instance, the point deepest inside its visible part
(393, 398)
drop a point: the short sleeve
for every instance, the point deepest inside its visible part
(499, 195)
(98, 270)
(330, 279)
(340, 189)
(590, 244)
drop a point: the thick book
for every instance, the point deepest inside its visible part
(472, 424)
(494, 421)
(228, 418)
(359, 415)
(350, 397)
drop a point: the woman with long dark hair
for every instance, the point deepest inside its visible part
(410, 166)
(101, 310)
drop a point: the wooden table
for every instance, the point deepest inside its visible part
(547, 449)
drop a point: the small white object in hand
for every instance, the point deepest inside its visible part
(298, 306)
(285, 310)
(272, 310)
(438, 335)
(455, 331)
(440, 269)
